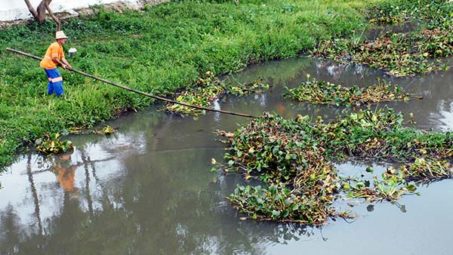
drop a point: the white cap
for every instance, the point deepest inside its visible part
(60, 35)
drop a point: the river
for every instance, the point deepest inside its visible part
(148, 188)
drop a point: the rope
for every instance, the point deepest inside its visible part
(137, 91)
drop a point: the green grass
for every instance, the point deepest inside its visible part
(159, 50)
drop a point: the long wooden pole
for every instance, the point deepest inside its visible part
(137, 91)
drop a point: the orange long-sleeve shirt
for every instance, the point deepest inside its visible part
(55, 50)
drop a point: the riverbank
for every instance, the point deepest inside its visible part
(159, 50)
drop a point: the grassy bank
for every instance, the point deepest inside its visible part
(159, 50)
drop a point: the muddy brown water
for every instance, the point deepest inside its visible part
(148, 189)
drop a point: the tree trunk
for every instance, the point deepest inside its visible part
(40, 13)
(57, 21)
(31, 9)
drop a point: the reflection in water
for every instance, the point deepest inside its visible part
(148, 189)
(65, 172)
(216, 106)
(443, 118)
(34, 193)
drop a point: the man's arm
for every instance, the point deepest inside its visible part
(66, 64)
(63, 63)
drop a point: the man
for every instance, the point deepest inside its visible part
(55, 57)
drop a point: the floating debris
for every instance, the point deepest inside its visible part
(323, 92)
(292, 160)
(52, 144)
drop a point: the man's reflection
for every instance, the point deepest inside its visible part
(65, 172)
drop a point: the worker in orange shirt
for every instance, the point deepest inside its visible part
(55, 57)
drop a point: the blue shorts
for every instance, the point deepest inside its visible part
(55, 82)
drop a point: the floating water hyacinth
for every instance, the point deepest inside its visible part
(431, 13)
(52, 144)
(401, 54)
(202, 97)
(292, 159)
(108, 130)
(398, 54)
(257, 86)
(209, 88)
(323, 92)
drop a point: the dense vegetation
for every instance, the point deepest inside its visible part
(293, 161)
(159, 50)
(322, 92)
(405, 53)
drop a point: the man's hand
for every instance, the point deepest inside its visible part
(68, 67)
(65, 64)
